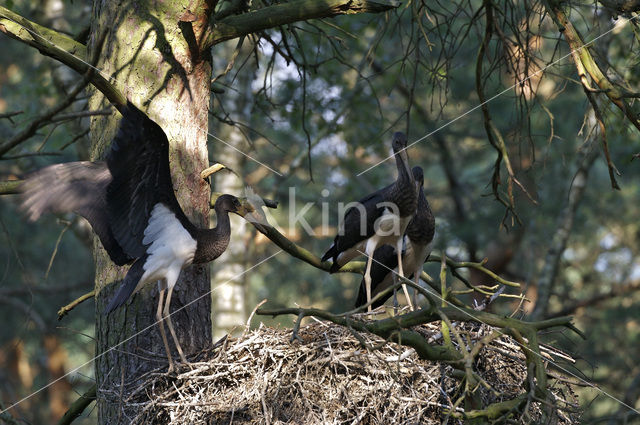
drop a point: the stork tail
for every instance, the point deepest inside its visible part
(332, 252)
(128, 285)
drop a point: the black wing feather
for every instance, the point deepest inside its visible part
(78, 187)
(351, 225)
(139, 163)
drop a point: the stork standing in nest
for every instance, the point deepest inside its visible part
(377, 219)
(130, 203)
(418, 240)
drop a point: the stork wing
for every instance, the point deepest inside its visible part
(357, 225)
(353, 224)
(353, 216)
(139, 163)
(78, 187)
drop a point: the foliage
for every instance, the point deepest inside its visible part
(327, 94)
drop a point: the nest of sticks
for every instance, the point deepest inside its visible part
(334, 376)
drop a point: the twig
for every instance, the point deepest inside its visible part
(560, 238)
(27, 309)
(42, 289)
(9, 115)
(478, 266)
(585, 63)
(78, 406)
(61, 48)
(73, 304)
(55, 249)
(253, 312)
(44, 118)
(10, 187)
(48, 115)
(28, 155)
(616, 291)
(82, 114)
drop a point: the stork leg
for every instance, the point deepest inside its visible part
(159, 319)
(416, 280)
(395, 293)
(367, 280)
(401, 272)
(170, 324)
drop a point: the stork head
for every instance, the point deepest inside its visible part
(230, 203)
(418, 176)
(399, 141)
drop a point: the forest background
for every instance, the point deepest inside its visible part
(528, 160)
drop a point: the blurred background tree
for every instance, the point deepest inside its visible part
(526, 180)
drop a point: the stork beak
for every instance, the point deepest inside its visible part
(405, 161)
(204, 174)
(245, 207)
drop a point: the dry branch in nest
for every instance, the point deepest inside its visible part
(334, 376)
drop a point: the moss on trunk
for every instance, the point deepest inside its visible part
(148, 57)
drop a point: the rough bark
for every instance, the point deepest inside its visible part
(286, 13)
(150, 61)
(150, 56)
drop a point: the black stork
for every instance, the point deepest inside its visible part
(418, 240)
(130, 203)
(377, 219)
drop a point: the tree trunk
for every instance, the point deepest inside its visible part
(146, 52)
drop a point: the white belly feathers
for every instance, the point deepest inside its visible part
(171, 247)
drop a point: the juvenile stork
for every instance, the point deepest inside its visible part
(130, 203)
(418, 240)
(377, 219)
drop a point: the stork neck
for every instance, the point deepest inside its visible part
(404, 193)
(422, 226)
(213, 242)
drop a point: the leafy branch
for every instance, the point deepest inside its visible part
(590, 72)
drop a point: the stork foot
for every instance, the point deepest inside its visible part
(396, 305)
(175, 368)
